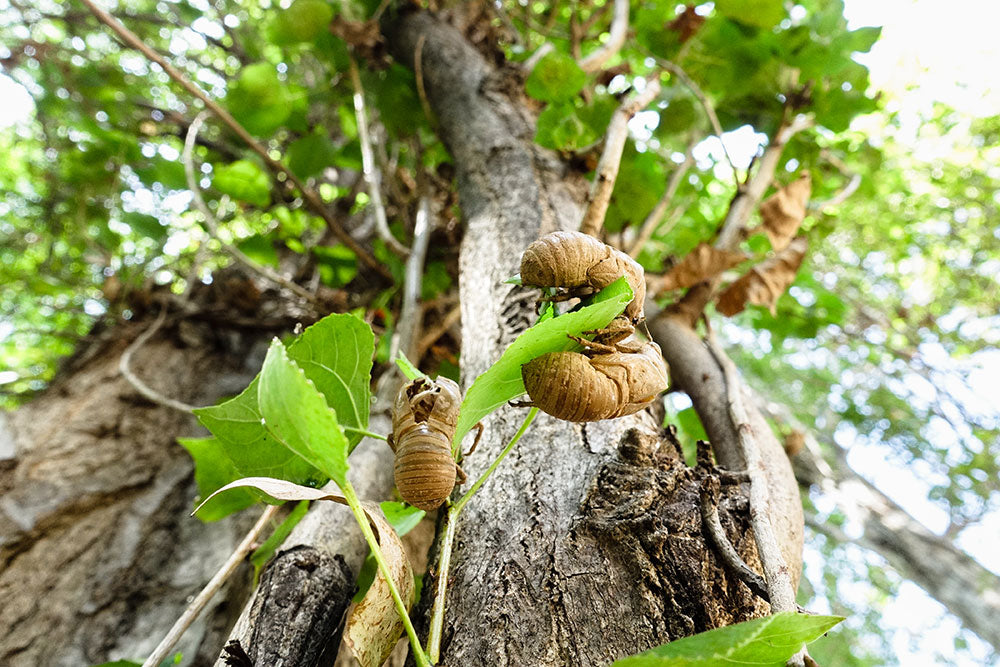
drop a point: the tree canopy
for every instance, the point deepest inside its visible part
(873, 356)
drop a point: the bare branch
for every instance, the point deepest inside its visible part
(616, 38)
(844, 193)
(311, 197)
(432, 335)
(213, 224)
(781, 594)
(652, 221)
(373, 176)
(713, 118)
(607, 168)
(198, 603)
(126, 360)
(542, 51)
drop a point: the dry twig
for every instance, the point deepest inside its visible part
(213, 225)
(198, 603)
(607, 167)
(655, 216)
(616, 38)
(125, 362)
(373, 176)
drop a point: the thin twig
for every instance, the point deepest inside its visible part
(655, 216)
(418, 74)
(727, 552)
(126, 360)
(311, 197)
(433, 334)
(841, 195)
(616, 39)
(198, 603)
(408, 327)
(779, 583)
(607, 167)
(373, 176)
(532, 60)
(213, 225)
(713, 118)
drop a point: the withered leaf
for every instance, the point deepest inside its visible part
(764, 283)
(784, 211)
(363, 36)
(700, 264)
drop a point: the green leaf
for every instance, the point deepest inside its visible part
(262, 554)
(145, 225)
(336, 356)
(502, 381)
(252, 450)
(402, 517)
(337, 264)
(560, 128)
(245, 181)
(311, 154)
(303, 21)
(768, 641)
(556, 78)
(260, 249)
(409, 370)
(213, 469)
(863, 39)
(259, 100)
(759, 13)
(297, 415)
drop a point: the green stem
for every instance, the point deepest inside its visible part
(366, 530)
(351, 429)
(451, 521)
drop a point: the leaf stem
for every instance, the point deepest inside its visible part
(451, 521)
(366, 530)
(367, 434)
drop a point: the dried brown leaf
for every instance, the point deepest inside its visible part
(374, 626)
(700, 264)
(364, 37)
(794, 442)
(764, 283)
(784, 211)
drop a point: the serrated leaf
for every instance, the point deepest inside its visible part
(245, 181)
(763, 642)
(336, 356)
(555, 78)
(764, 283)
(700, 264)
(214, 469)
(502, 381)
(297, 415)
(784, 211)
(760, 13)
(252, 450)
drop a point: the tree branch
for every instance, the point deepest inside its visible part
(310, 196)
(373, 176)
(213, 225)
(616, 39)
(126, 360)
(607, 168)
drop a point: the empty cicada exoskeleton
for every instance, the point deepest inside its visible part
(605, 382)
(424, 418)
(582, 265)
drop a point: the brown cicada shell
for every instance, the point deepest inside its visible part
(603, 383)
(582, 265)
(424, 418)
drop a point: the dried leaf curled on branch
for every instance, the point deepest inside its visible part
(784, 211)
(764, 283)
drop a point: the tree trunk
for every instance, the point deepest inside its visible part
(586, 544)
(98, 555)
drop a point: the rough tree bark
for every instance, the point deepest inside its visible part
(97, 553)
(586, 544)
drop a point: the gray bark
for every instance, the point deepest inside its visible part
(98, 555)
(574, 552)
